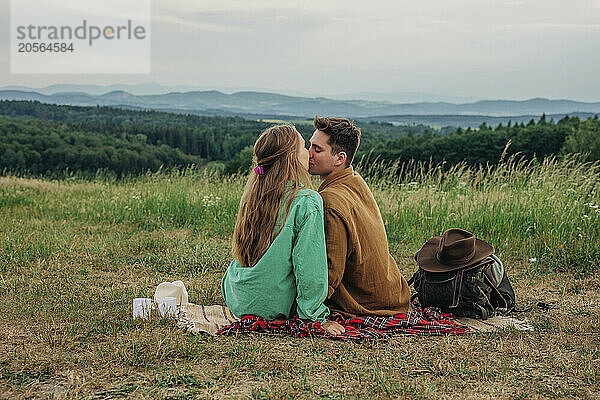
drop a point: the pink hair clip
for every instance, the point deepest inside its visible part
(259, 170)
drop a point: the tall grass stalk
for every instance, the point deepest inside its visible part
(547, 211)
(544, 210)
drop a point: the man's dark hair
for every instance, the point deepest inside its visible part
(343, 135)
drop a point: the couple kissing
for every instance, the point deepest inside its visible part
(297, 251)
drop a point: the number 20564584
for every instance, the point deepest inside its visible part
(45, 47)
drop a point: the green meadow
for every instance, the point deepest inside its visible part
(75, 252)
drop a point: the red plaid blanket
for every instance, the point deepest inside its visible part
(420, 321)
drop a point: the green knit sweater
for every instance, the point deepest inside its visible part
(291, 277)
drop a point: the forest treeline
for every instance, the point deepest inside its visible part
(487, 145)
(42, 139)
(42, 147)
(209, 138)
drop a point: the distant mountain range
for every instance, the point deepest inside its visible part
(403, 97)
(156, 88)
(262, 103)
(140, 89)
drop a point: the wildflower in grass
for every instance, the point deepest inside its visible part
(533, 259)
(210, 200)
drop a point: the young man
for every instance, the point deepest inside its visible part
(363, 277)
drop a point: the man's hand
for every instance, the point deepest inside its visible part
(333, 328)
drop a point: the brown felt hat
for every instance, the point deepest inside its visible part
(455, 249)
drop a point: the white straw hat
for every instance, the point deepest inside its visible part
(172, 289)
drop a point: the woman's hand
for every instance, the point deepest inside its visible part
(333, 328)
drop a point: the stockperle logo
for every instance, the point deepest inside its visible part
(67, 36)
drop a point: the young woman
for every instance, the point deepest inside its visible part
(280, 263)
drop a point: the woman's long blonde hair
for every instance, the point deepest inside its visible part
(276, 150)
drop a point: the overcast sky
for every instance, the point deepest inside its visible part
(473, 48)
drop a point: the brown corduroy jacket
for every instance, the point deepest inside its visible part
(363, 277)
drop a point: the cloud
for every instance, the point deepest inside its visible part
(469, 47)
(101, 9)
(553, 26)
(179, 22)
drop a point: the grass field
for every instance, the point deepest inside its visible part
(74, 253)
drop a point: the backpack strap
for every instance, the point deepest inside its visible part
(413, 297)
(484, 313)
(457, 289)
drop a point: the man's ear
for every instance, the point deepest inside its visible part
(340, 158)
